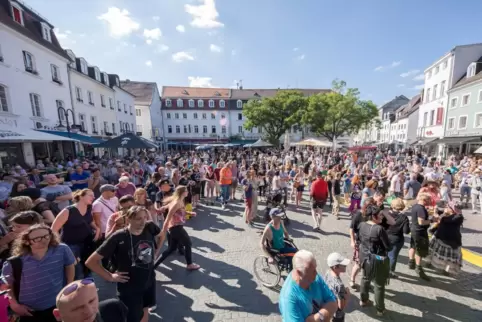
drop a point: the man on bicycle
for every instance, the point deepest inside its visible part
(274, 234)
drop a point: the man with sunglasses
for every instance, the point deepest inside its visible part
(79, 302)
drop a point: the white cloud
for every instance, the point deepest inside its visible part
(418, 87)
(182, 56)
(409, 73)
(200, 81)
(161, 48)
(301, 57)
(401, 85)
(215, 48)
(204, 15)
(395, 63)
(392, 65)
(154, 34)
(64, 37)
(181, 28)
(149, 63)
(60, 35)
(419, 77)
(119, 21)
(379, 68)
(156, 18)
(148, 41)
(296, 49)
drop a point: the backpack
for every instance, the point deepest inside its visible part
(17, 265)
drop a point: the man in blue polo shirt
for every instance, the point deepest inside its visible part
(304, 293)
(79, 179)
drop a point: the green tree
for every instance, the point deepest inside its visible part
(339, 112)
(275, 115)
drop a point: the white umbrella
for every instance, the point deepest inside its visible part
(315, 142)
(261, 144)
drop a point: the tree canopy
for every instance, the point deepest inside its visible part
(275, 115)
(339, 112)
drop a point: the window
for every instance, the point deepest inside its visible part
(178, 129)
(185, 129)
(211, 103)
(462, 122)
(451, 123)
(239, 104)
(130, 109)
(440, 113)
(222, 103)
(82, 124)
(168, 115)
(453, 102)
(442, 88)
(479, 98)
(429, 74)
(179, 103)
(435, 92)
(106, 127)
(93, 122)
(204, 116)
(106, 79)
(1, 56)
(195, 116)
(28, 61)
(436, 70)
(119, 106)
(139, 128)
(196, 129)
(121, 127)
(184, 116)
(444, 65)
(117, 82)
(17, 13)
(168, 103)
(465, 100)
(176, 115)
(240, 117)
(3, 99)
(240, 129)
(97, 74)
(223, 116)
(46, 34)
(78, 94)
(111, 103)
(138, 112)
(478, 120)
(223, 129)
(425, 119)
(200, 103)
(125, 108)
(113, 128)
(169, 129)
(83, 66)
(191, 103)
(90, 95)
(213, 129)
(427, 97)
(205, 129)
(55, 73)
(213, 116)
(102, 100)
(471, 70)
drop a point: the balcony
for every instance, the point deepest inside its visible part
(108, 133)
(95, 132)
(112, 107)
(91, 103)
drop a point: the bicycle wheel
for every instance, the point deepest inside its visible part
(268, 274)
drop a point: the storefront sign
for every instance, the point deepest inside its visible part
(428, 133)
(463, 133)
(7, 134)
(8, 122)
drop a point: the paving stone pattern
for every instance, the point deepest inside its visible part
(225, 288)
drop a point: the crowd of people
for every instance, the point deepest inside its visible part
(112, 217)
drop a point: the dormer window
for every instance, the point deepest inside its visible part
(471, 70)
(17, 13)
(117, 82)
(97, 74)
(46, 34)
(200, 103)
(179, 103)
(83, 66)
(72, 57)
(211, 103)
(239, 104)
(191, 103)
(217, 94)
(222, 103)
(168, 103)
(106, 79)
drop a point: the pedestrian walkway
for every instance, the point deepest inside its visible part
(225, 288)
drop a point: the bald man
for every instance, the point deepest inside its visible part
(79, 302)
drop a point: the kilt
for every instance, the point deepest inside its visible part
(444, 257)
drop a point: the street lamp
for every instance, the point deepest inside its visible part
(65, 112)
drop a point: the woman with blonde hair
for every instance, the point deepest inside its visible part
(16, 205)
(137, 174)
(47, 265)
(78, 229)
(174, 224)
(140, 197)
(175, 177)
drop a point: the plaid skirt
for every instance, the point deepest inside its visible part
(444, 257)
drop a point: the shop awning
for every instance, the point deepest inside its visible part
(458, 140)
(425, 141)
(27, 135)
(75, 136)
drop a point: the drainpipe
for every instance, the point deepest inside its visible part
(76, 148)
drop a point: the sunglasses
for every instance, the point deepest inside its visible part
(40, 238)
(75, 286)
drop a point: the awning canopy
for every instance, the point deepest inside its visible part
(458, 140)
(478, 151)
(27, 135)
(424, 141)
(128, 141)
(76, 136)
(259, 144)
(314, 142)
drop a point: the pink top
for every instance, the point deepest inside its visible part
(4, 308)
(179, 218)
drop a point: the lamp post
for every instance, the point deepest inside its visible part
(65, 112)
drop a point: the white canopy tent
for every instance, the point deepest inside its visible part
(479, 150)
(26, 135)
(259, 144)
(314, 142)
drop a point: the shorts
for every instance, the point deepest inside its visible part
(248, 202)
(234, 183)
(300, 188)
(420, 243)
(318, 205)
(137, 302)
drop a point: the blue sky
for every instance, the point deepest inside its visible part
(266, 43)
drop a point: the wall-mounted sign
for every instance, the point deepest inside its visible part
(429, 133)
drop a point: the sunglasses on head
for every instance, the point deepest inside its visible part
(75, 286)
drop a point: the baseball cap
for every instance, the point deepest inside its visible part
(276, 212)
(107, 187)
(335, 259)
(164, 181)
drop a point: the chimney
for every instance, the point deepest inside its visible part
(240, 84)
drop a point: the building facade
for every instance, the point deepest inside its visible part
(403, 131)
(149, 121)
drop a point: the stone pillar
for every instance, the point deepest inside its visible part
(28, 155)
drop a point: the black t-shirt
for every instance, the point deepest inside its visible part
(133, 254)
(420, 178)
(401, 226)
(112, 310)
(373, 239)
(356, 220)
(419, 211)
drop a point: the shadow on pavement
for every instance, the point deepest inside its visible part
(207, 220)
(205, 246)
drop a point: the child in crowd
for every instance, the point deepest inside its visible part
(337, 264)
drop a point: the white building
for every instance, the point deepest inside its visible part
(149, 122)
(33, 82)
(403, 131)
(440, 77)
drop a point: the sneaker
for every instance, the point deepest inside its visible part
(380, 313)
(353, 285)
(411, 264)
(223, 206)
(366, 304)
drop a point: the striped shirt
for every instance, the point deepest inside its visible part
(42, 279)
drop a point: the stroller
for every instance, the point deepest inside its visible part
(274, 199)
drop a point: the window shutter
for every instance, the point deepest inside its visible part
(440, 113)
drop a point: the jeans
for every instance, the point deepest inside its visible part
(288, 250)
(225, 193)
(285, 196)
(393, 254)
(177, 236)
(79, 266)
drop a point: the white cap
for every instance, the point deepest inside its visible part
(335, 259)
